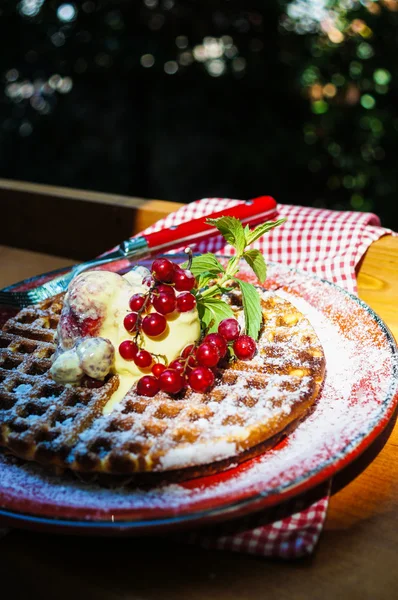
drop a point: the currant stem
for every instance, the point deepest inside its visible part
(185, 360)
(188, 251)
(231, 270)
(138, 333)
(162, 356)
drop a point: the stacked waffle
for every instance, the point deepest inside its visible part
(252, 404)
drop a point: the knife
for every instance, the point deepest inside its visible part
(252, 211)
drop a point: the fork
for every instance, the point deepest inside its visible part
(176, 236)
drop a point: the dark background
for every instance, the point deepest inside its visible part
(181, 100)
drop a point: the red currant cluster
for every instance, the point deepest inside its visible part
(195, 367)
(166, 279)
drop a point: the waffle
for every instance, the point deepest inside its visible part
(251, 405)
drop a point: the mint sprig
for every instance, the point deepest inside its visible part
(213, 277)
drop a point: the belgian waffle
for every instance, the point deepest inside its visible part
(251, 403)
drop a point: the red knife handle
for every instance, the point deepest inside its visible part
(253, 211)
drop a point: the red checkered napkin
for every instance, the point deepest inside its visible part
(325, 242)
(329, 244)
(292, 529)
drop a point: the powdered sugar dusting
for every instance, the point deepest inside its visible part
(358, 394)
(23, 389)
(215, 451)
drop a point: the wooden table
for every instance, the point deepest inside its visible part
(356, 556)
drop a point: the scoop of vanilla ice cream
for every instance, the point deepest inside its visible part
(92, 298)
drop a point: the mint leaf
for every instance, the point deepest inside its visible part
(232, 231)
(212, 311)
(205, 263)
(258, 231)
(256, 261)
(251, 307)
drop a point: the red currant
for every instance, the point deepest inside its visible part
(177, 365)
(201, 379)
(137, 302)
(147, 386)
(163, 269)
(165, 289)
(154, 324)
(171, 381)
(131, 322)
(187, 351)
(192, 362)
(244, 347)
(164, 303)
(207, 355)
(185, 302)
(184, 281)
(217, 340)
(143, 359)
(128, 350)
(229, 329)
(158, 368)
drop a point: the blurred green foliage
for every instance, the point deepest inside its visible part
(185, 99)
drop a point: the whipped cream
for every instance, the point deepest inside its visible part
(91, 329)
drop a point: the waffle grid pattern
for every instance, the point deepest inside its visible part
(39, 419)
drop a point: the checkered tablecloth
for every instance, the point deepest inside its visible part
(329, 244)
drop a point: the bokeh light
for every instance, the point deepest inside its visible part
(368, 102)
(30, 8)
(66, 13)
(170, 67)
(147, 60)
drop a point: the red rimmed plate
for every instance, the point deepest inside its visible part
(358, 399)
